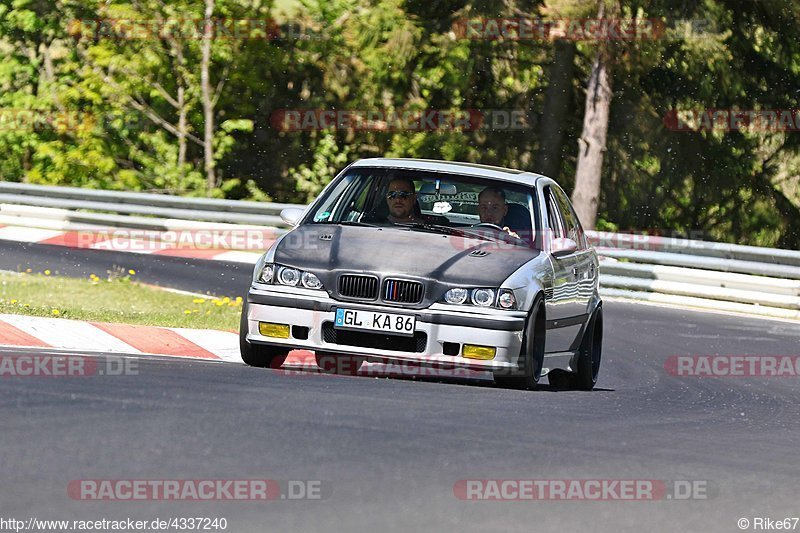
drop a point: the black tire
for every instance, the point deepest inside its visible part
(343, 365)
(258, 355)
(591, 352)
(531, 357)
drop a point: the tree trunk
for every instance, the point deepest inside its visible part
(181, 129)
(182, 110)
(49, 71)
(592, 144)
(556, 108)
(208, 103)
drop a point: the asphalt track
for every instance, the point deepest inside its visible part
(388, 451)
(196, 275)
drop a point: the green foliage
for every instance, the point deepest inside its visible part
(329, 158)
(108, 108)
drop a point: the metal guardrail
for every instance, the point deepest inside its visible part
(639, 273)
(677, 245)
(719, 264)
(148, 204)
(711, 275)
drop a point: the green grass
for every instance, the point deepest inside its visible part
(115, 298)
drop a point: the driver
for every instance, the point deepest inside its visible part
(492, 208)
(401, 198)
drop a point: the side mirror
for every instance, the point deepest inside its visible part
(292, 215)
(563, 246)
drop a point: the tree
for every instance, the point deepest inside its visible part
(209, 99)
(556, 109)
(183, 113)
(592, 142)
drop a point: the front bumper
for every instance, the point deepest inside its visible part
(435, 326)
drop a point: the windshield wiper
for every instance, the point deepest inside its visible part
(486, 236)
(424, 225)
(438, 228)
(349, 223)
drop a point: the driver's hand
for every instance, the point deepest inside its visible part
(512, 233)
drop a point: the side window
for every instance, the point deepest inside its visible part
(332, 202)
(571, 222)
(358, 204)
(345, 201)
(554, 219)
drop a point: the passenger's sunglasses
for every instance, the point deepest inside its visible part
(398, 194)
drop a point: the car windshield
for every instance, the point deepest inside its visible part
(415, 200)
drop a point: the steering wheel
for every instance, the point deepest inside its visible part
(488, 225)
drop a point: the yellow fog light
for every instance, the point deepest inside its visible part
(268, 329)
(479, 352)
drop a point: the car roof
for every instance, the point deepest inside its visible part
(453, 167)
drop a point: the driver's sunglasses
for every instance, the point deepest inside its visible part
(398, 194)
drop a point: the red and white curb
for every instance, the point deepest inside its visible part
(88, 338)
(102, 337)
(79, 336)
(196, 244)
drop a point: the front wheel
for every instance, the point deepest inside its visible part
(591, 351)
(258, 355)
(531, 358)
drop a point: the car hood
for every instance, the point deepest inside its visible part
(446, 260)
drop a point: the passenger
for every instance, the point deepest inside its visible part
(401, 199)
(492, 208)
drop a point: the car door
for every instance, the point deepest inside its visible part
(585, 267)
(563, 307)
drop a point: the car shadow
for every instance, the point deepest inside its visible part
(451, 376)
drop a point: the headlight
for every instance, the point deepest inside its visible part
(456, 296)
(310, 281)
(288, 276)
(284, 275)
(506, 299)
(483, 297)
(267, 273)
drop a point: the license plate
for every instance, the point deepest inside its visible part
(371, 321)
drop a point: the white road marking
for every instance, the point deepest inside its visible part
(18, 233)
(68, 334)
(238, 257)
(223, 344)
